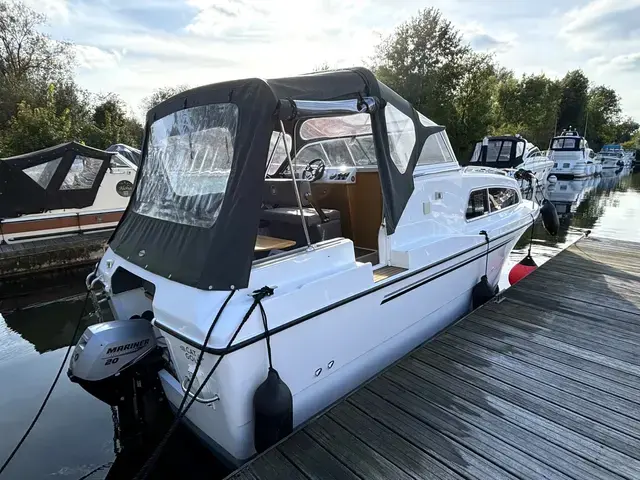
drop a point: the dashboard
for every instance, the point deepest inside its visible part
(338, 175)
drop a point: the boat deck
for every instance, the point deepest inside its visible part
(543, 384)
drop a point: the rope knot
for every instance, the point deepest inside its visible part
(262, 293)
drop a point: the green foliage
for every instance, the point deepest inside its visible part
(426, 61)
(33, 128)
(573, 100)
(40, 103)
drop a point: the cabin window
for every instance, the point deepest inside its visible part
(82, 173)
(564, 144)
(189, 159)
(500, 198)
(43, 173)
(519, 149)
(402, 136)
(333, 127)
(478, 204)
(279, 155)
(435, 150)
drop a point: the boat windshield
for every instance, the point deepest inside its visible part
(497, 151)
(189, 159)
(562, 143)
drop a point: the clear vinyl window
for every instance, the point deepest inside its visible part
(82, 174)
(43, 173)
(189, 160)
(277, 151)
(436, 150)
(402, 136)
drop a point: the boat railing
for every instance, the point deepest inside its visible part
(483, 169)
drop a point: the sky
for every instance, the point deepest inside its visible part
(131, 47)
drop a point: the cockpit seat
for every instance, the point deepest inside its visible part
(282, 213)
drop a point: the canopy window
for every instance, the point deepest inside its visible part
(189, 158)
(64, 176)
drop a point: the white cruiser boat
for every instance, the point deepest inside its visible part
(62, 190)
(612, 156)
(512, 153)
(572, 156)
(214, 255)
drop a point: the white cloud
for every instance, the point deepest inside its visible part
(601, 22)
(481, 40)
(94, 58)
(131, 47)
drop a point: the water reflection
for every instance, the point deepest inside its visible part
(606, 205)
(75, 432)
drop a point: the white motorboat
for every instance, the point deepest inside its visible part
(215, 257)
(512, 153)
(571, 155)
(63, 190)
(611, 156)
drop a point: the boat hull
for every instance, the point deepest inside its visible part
(379, 328)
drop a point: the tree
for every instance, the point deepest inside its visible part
(34, 128)
(528, 106)
(24, 50)
(424, 60)
(159, 95)
(573, 100)
(473, 105)
(110, 124)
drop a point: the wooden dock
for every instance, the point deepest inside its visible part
(544, 384)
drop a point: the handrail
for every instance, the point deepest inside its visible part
(483, 169)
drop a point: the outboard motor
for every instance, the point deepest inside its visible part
(118, 362)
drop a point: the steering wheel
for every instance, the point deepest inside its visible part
(314, 170)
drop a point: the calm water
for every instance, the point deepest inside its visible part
(74, 434)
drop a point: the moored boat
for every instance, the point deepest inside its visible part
(571, 155)
(512, 153)
(280, 240)
(62, 190)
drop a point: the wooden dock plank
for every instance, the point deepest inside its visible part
(565, 433)
(385, 441)
(402, 414)
(576, 413)
(607, 394)
(545, 384)
(313, 460)
(275, 465)
(460, 411)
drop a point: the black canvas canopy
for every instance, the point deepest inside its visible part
(201, 232)
(505, 151)
(64, 176)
